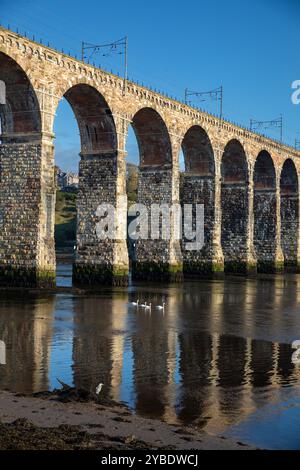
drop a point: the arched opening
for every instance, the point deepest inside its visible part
(155, 186)
(67, 149)
(264, 212)
(82, 187)
(198, 152)
(94, 118)
(234, 204)
(289, 208)
(19, 113)
(153, 138)
(20, 190)
(198, 187)
(132, 177)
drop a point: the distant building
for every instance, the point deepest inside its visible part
(66, 180)
(71, 180)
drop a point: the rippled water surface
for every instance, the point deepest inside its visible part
(219, 357)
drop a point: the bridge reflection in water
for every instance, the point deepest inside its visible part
(221, 350)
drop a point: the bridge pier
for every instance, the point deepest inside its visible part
(289, 215)
(101, 259)
(209, 260)
(200, 185)
(279, 257)
(267, 216)
(27, 201)
(157, 256)
(157, 259)
(250, 255)
(236, 204)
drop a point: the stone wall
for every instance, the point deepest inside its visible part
(98, 261)
(21, 208)
(289, 228)
(199, 190)
(234, 226)
(265, 229)
(159, 258)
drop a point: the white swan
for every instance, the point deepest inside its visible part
(148, 307)
(99, 388)
(135, 304)
(144, 305)
(161, 307)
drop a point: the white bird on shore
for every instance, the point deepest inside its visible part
(161, 307)
(99, 388)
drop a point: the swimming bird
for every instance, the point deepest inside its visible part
(136, 304)
(144, 305)
(99, 388)
(148, 307)
(161, 307)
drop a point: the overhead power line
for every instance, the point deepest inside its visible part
(297, 144)
(106, 50)
(274, 123)
(215, 95)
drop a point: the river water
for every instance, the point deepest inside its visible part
(218, 357)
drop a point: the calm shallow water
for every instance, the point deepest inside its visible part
(219, 357)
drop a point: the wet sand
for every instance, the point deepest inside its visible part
(49, 422)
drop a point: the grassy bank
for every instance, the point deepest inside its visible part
(65, 219)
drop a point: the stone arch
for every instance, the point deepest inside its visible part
(197, 186)
(198, 152)
(153, 138)
(20, 114)
(98, 259)
(234, 205)
(289, 209)
(156, 257)
(24, 259)
(264, 208)
(94, 117)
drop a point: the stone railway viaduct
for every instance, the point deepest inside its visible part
(249, 184)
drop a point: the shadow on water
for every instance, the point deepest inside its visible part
(218, 357)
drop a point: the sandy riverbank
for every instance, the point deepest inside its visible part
(48, 421)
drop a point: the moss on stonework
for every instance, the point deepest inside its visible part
(292, 266)
(240, 267)
(11, 276)
(217, 267)
(46, 278)
(270, 266)
(149, 271)
(87, 275)
(279, 266)
(201, 269)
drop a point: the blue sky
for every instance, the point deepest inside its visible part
(249, 47)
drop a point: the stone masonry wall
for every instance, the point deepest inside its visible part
(234, 226)
(96, 261)
(199, 190)
(46, 254)
(289, 228)
(153, 258)
(265, 229)
(20, 205)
